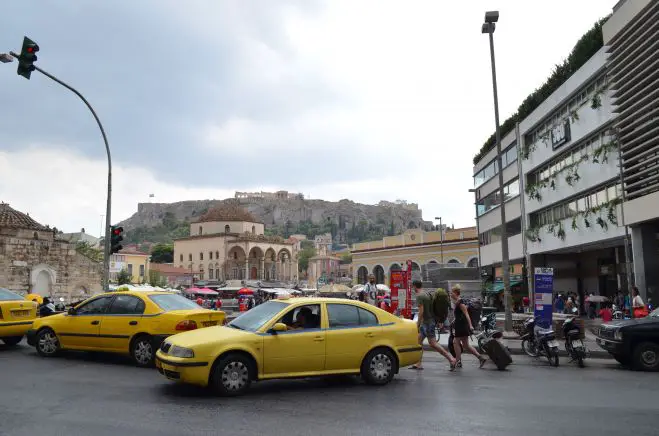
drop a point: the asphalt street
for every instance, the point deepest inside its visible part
(96, 394)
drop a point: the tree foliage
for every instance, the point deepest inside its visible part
(157, 279)
(346, 259)
(86, 249)
(303, 258)
(585, 48)
(123, 278)
(162, 253)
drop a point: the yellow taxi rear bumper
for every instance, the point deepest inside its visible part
(14, 328)
(183, 370)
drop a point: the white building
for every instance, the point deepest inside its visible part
(562, 186)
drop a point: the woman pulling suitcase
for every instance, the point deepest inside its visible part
(463, 328)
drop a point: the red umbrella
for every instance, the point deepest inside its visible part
(245, 291)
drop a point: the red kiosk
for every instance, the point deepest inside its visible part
(401, 291)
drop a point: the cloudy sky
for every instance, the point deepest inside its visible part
(360, 99)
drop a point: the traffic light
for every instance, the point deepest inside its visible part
(115, 239)
(27, 58)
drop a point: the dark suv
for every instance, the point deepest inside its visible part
(633, 342)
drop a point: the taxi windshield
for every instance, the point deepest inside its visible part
(253, 319)
(169, 302)
(7, 295)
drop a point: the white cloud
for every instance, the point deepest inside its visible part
(406, 94)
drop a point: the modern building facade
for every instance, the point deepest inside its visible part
(564, 196)
(631, 35)
(455, 249)
(562, 190)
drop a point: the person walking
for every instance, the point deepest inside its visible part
(371, 291)
(463, 327)
(427, 326)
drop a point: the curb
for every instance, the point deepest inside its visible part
(594, 354)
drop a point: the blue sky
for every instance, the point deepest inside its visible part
(337, 99)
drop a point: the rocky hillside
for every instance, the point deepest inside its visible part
(348, 221)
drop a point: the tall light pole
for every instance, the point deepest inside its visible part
(108, 207)
(441, 240)
(491, 17)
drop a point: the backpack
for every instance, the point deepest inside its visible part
(475, 308)
(440, 304)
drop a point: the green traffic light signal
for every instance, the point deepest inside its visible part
(27, 58)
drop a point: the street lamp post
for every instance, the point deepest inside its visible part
(106, 250)
(491, 17)
(441, 240)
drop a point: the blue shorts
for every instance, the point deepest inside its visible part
(428, 330)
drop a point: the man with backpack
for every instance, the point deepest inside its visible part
(433, 310)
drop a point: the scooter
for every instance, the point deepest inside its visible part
(488, 331)
(573, 344)
(537, 341)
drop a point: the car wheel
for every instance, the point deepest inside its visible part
(232, 375)
(12, 340)
(142, 351)
(47, 343)
(646, 357)
(379, 367)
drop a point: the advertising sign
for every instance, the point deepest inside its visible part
(544, 292)
(560, 134)
(398, 286)
(115, 267)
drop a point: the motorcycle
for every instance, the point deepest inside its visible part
(573, 344)
(488, 331)
(538, 341)
(617, 313)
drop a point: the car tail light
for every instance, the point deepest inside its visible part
(186, 325)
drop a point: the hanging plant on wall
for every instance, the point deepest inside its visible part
(596, 101)
(601, 153)
(558, 229)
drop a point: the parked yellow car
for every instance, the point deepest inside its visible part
(16, 316)
(297, 337)
(134, 323)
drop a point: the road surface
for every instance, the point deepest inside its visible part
(84, 394)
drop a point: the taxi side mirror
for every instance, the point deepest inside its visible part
(279, 327)
(71, 311)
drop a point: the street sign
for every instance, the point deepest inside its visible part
(544, 296)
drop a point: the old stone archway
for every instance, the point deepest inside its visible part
(42, 280)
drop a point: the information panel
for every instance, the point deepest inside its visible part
(544, 296)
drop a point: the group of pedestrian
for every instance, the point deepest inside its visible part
(462, 326)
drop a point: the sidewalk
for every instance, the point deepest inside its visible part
(515, 346)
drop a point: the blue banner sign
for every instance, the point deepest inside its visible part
(544, 296)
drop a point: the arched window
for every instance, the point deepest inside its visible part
(201, 256)
(253, 230)
(190, 257)
(227, 228)
(36, 235)
(181, 257)
(201, 230)
(217, 255)
(235, 255)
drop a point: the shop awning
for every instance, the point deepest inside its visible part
(498, 287)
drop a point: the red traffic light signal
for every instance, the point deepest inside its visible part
(117, 231)
(27, 58)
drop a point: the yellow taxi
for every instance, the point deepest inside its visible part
(132, 322)
(296, 337)
(16, 316)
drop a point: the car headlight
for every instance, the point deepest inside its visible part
(618, 335)
(177, 351)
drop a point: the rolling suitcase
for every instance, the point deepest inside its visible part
(498, 354)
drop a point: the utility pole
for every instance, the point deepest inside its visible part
(491, 17)
(32, 67)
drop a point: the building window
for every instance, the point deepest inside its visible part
(572, 207)
(130, 269)
(513, 228)
(141, 270)
(210, 273)
(201, 256)
(492, 200)
(181, 258)
(227, 229)
(508, 156)
(201, 230)
(210, 255)
(190, 257)
(253, 230)
(217, 255)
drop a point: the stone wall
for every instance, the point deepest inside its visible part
(29, 260)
